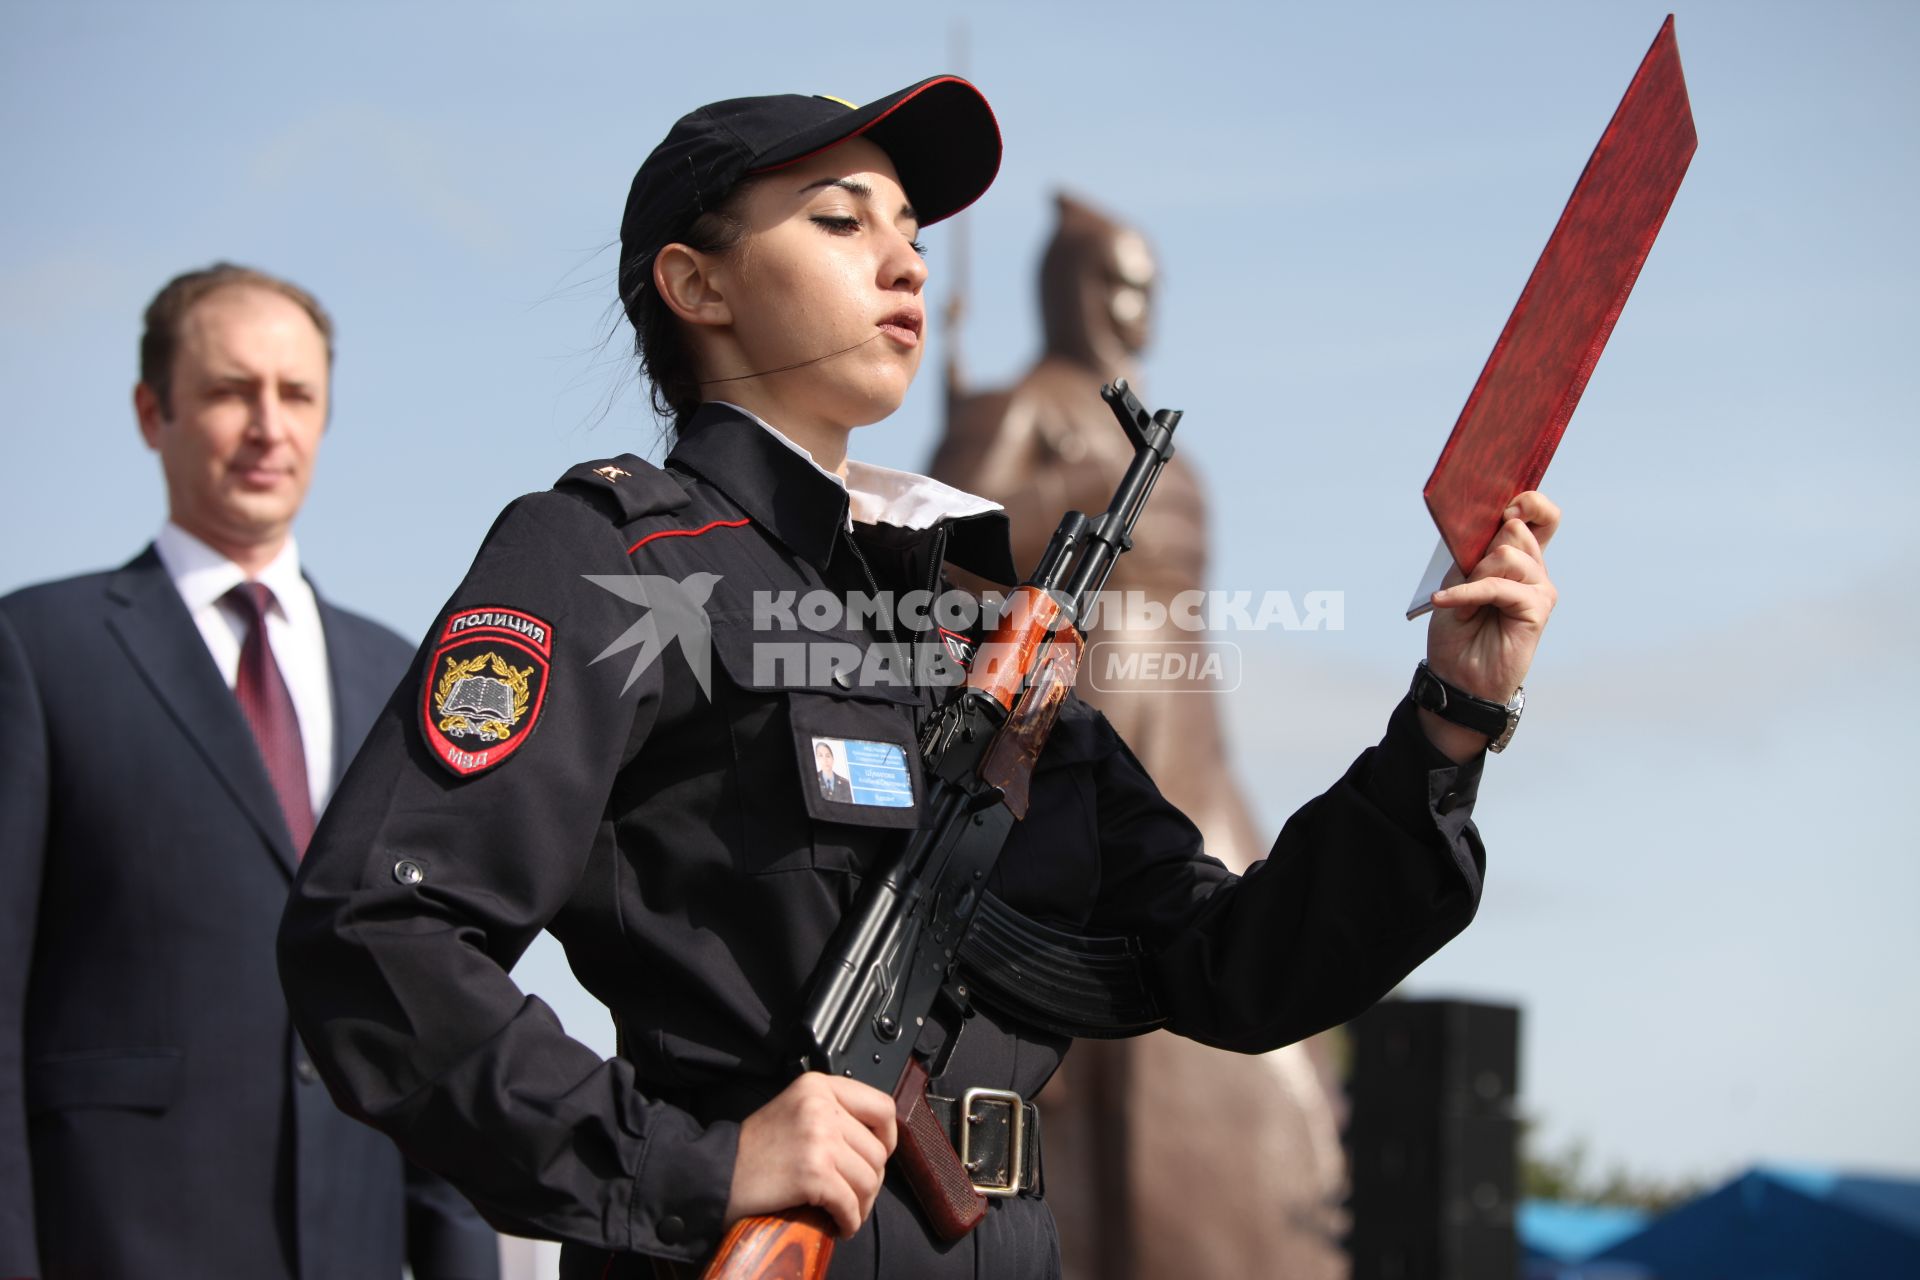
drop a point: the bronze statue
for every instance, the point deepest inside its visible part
(1166, 1157)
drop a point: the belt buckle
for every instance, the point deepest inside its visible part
(1016, 1142)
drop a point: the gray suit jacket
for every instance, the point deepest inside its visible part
(158, 1116)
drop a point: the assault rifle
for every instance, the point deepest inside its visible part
(898, 948)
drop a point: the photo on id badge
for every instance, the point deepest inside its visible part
(852, 771)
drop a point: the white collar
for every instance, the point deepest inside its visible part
(203, 576)
(882, 495)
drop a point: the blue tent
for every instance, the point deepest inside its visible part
(1785, 1224)
(1556, 1235)
(1561, 1231)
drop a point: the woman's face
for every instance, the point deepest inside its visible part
(828, 279)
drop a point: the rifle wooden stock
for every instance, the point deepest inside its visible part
(796, 1244)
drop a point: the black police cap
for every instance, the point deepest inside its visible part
(939, 133)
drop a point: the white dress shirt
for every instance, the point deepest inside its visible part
(881, 495)
(203, 577)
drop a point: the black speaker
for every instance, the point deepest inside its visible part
(1433, 1141)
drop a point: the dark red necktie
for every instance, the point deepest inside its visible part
(268, 706)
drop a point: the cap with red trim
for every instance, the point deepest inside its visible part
(939, 133)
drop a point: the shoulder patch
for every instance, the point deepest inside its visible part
(485, 687)
(637, 487)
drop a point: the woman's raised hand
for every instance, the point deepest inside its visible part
(1485, 629)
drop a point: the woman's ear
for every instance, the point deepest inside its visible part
(685, 278)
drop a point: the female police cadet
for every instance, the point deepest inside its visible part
(615, 733)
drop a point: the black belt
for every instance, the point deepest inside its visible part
(986, 1143)
(997, 1133)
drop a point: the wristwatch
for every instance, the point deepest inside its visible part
(1456, 705)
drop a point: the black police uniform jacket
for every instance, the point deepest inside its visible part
(553, 765)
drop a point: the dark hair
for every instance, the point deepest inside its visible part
(184, 292)
(659, 337)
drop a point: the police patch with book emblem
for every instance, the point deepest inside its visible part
(485, 687)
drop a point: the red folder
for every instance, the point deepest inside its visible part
(1519, 408)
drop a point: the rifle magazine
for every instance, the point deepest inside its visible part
(1067, 983)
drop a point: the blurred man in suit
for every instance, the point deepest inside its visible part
(168, 733)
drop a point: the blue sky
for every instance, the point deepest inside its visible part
(1703, 879)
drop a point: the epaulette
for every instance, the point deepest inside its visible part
(625, 487)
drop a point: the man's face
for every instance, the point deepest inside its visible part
(249, 403)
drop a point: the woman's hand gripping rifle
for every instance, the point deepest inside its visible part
(896, 950)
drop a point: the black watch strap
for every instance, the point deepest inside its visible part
(1455, 705)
